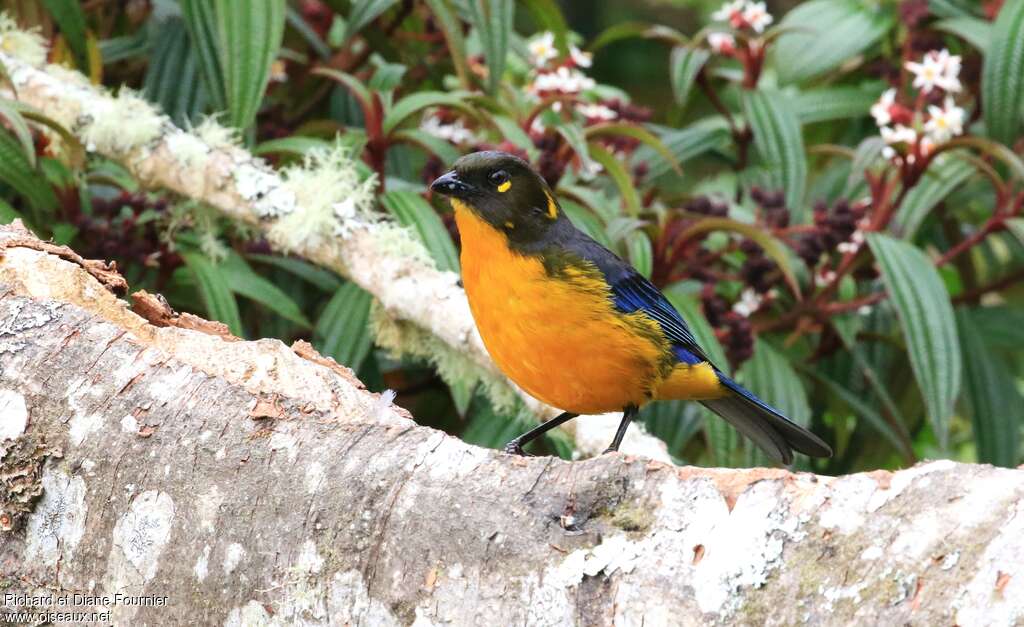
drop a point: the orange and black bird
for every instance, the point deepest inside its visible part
(576, 326)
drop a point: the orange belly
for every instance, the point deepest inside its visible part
(560, 340)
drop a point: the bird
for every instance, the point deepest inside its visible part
(576, 326)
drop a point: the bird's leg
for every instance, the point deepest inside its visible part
(629, 412)
(515, 447)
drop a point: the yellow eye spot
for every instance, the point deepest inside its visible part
(552, 206)
(509, 225)
(504, 187)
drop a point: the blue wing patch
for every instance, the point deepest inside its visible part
(635, 293)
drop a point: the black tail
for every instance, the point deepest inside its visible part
(765, 425)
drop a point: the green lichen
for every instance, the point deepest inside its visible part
(632, 518)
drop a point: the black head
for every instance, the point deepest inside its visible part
(503, 190)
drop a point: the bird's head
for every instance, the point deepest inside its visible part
(503, 190)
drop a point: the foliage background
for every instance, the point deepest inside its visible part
(873, 296)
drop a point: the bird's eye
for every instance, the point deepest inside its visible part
(500, 179)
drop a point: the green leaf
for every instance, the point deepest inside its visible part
(825, 34)
(493, 21)
(636, 132)
(857, 403)
(942, 177)
(172, 78)
(772, 247)
(342, 331)
(769, 374)
(514, 133)
(623, 180)
(214, 290)
(641, 255)
(1016, 226)
(201, 22)
(411, 210)
(684, 65)
(321, 278)
(431, 143)
(421, 100)
(456, 44)
(585, 220)
(363, 12)
(627, 30)
(976, 32)
(302, 27)
(991, 397)
(926, 317)
(696, 139)
(779, 142)
(8, 213)
(297, 145)
(17, 171)
(548, 17)
(955, 8)
(834, 103)
(249, 36)
(996, 150)
(1002, 74)
(9, 112)
(69, 16)
(243, 281)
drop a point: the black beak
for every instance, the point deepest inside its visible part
(449, 184)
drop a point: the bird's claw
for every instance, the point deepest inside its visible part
(515, 448)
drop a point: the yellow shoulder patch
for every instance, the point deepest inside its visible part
(504, 187)
(552, 206)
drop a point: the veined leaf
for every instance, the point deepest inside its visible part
(684, 65)
(298, 22)
(626, 30)
(941, 178)
(243, 281)
(990, 396)
(696, 139)
(411, 210)
(9, 112)
(214, 291)
(513, 133)
(859, 407)
(68, 15)
(926, 317)
(17, 171)
(201, 21)
(363, 12)
(442, 148)
(834, 103)
(452, 29)
(342, 330)
(1002, 74)
(323, 279)
(1016, 226)
(771, 246)
(824, 35)
(172, 78)
(421, 100)
(618, 173)
(493, 21)
(675, 422)
(636, 132)
(641, 255)
(976, 32)
(249, 37)
(779, 142)
(955, 8)
(770, 375)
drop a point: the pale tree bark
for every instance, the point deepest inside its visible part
(252, 483)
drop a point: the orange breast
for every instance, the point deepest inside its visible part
(560, 340)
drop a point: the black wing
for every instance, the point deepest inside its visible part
(633, 292)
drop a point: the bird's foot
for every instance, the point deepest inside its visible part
(515, 448)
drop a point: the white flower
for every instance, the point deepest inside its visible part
(748, 303)
(562, 80)
(542, 48)
(730, 11)
(880, 110)
(456, 132)
(936, 69)
(580, 58)
(944, 122)
(824, 277)
(756, 16)
(899, 135)
(722, 43)
(864, 310)
(596, 111)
